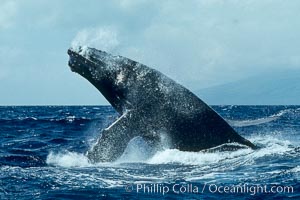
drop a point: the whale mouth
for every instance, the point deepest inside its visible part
(73, 60)
(78, 61)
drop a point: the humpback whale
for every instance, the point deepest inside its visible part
(149, 104)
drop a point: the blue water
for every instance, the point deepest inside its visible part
(42, 157)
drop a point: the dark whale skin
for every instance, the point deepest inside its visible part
(149, 104)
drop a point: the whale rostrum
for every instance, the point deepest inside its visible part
(149, 104)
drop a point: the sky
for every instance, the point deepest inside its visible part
(199, 43)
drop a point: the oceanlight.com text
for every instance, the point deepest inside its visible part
(189, 188)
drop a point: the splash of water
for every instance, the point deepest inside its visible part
(105, 38)
(137, 151)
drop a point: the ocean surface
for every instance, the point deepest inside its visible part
(42, 156)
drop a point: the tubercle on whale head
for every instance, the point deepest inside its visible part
(97, 65)
(91, 54)
(84, 62)
(95, 60)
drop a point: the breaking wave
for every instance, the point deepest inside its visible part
(263, 120)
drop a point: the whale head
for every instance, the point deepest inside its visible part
(92, 63)
(111, 75)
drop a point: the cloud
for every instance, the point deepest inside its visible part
(8, 10)
(132, 4)
(208, 42)
(199, 43)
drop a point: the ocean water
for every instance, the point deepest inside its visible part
(42, 156)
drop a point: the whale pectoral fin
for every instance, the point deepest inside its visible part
(113, 140)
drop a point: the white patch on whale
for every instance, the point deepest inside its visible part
(120, 77)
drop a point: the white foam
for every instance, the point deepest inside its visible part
(25, 118)
(194, 158)
(138, 152)
(70, 118)
(270, 146)
(295, 169)
(68, 159)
